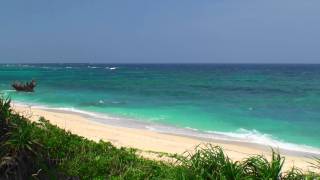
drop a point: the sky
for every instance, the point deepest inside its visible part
(160, 31)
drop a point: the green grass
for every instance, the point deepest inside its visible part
(40, 150)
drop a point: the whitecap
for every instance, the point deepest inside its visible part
(254, 136)
(111, 68)
(93, 67)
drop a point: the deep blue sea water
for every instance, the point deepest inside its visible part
(259, 103)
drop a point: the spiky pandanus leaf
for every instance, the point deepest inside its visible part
(258, 167)
(294, 174)
(316, 163)
(210, 162)
(5, 112)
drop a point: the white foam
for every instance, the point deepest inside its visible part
(8, 90)
(241, 135)
(70, 109)
(25, 65)
(111, 68)
(194, 129)
(93, 67)
(254, 136)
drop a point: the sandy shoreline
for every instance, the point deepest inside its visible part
(147, 140)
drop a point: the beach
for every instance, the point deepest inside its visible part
(149, 142)
(276, 105)
(161, 90)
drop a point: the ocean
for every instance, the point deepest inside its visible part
(270, 104)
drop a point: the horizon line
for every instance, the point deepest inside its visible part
(217, 63)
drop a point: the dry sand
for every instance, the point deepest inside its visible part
(147, 140)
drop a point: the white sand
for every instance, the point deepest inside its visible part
(144, 139)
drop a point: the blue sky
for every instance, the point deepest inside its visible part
(216, 31)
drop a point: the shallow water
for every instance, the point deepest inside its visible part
(258, 103)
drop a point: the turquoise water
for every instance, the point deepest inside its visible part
(279, 102)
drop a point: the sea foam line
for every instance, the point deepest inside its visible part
(241, 135)
(254, 136)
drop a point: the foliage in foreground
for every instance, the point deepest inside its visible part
(41, 150)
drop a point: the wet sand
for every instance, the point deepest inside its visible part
(150, 141)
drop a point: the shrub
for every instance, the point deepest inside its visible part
(44, 151)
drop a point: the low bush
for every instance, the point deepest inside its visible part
(41, 150)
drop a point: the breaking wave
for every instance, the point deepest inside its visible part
(111, 68)
(241, 135)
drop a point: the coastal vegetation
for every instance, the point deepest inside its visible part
(40, 150)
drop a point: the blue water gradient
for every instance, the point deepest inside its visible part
(282, 101)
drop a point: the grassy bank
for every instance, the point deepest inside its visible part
(40, 150)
